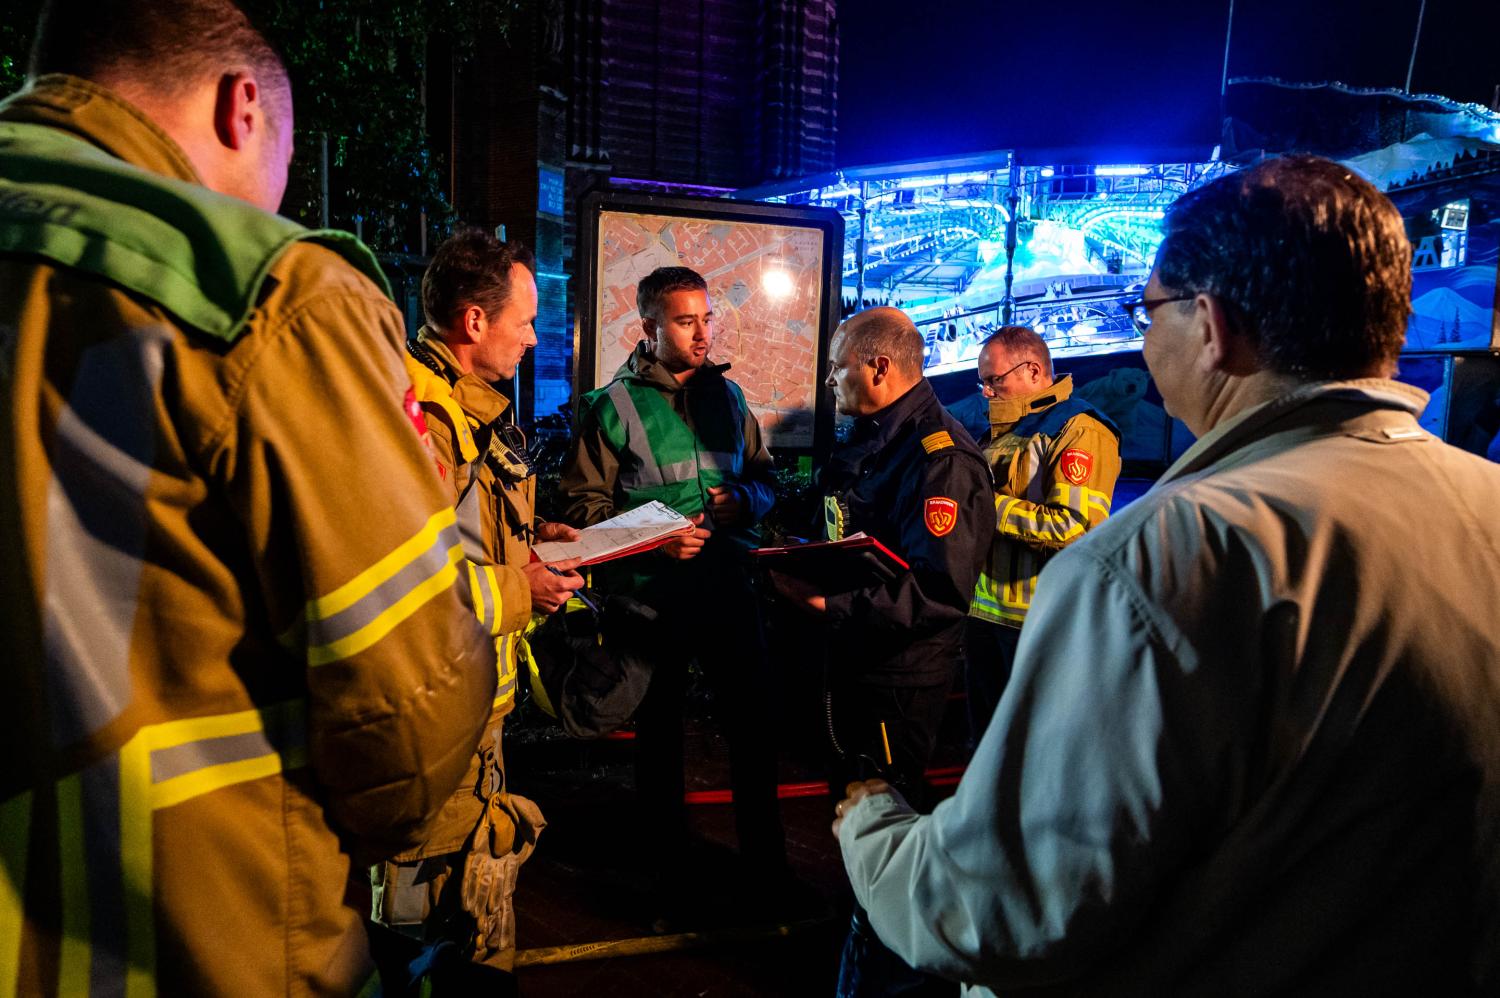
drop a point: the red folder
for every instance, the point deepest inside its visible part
(835, 566)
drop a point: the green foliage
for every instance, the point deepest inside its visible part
(357, 69)
(17, 19)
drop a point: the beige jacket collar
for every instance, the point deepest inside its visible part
(1258, 422)
(477, 398)
(1006, 413)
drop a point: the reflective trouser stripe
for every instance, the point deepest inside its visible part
(15, 841)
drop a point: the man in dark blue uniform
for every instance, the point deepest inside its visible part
(910, 477)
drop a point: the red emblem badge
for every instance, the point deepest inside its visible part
(940, 514)
(1076, 465)
(414, 413)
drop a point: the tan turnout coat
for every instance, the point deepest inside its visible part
(239, 646)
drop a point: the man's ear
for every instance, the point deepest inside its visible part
(648, 326)
(882, 365)
(1225, 347)
(471, 324)
(237, 110)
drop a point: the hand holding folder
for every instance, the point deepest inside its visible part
(632, 532)
(855, 562)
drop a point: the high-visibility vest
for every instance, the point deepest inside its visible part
(661, 457)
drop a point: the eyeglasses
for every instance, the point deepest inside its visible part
(993, 382)
(1140, 309)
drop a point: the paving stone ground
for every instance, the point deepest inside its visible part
(583, 884)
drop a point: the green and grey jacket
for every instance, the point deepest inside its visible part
(644, 437)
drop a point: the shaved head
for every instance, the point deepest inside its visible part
(883, 332)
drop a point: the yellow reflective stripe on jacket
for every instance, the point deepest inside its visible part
(199, 755)
(484, 586)
(161, 766)
(1096, 505)
(1064, 515)
(15, 841)
(507, 651)
(376, 601)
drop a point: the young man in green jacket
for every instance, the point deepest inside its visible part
(671, 427)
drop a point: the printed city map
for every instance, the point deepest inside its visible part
(764, 281)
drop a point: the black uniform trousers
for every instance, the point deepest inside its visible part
(868, 718)
(707, 612)
(989, 655)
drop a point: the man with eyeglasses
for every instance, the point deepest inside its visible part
(1252, 741)
(480, 299)
(1055, 459)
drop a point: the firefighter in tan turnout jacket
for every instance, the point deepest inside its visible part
(1055, 459)
(239, 644)
(481, 301)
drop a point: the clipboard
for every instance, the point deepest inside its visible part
(856, 562)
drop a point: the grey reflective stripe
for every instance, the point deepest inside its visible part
(470, 517)
(506, 688)
(1036, 450)
(96, 529)
(678, 471)
(192, 756)
(108, 960)
(636, 441)
(325, 631)
(485, 605)
(727, 463)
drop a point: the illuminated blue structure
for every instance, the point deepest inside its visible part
(970, 243)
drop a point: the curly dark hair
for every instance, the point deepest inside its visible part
(1308, 259)
(471, 267)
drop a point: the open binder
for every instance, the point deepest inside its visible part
(632, 532)
(855, 562)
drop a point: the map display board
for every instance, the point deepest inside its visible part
(769, 286)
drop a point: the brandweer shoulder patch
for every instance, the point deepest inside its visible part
(940, 514)
(1076, 465)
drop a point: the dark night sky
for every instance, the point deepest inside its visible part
(940, 77)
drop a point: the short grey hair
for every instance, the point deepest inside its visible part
(1022, 343)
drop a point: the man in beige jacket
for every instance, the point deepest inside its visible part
(240, 649)
(1252, 742)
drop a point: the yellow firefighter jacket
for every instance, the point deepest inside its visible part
(493, 490)
(1055, 460)
(239, 643)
